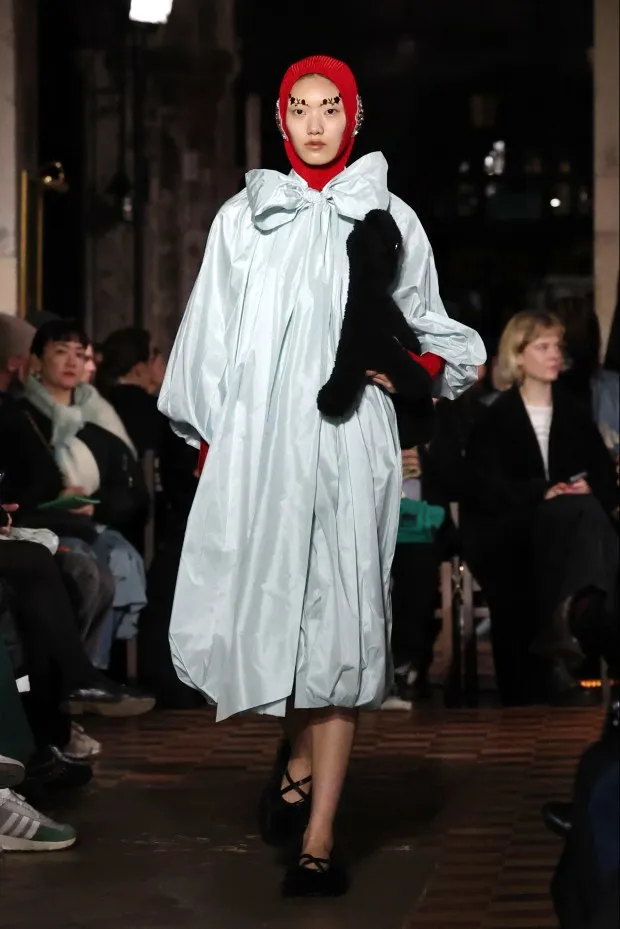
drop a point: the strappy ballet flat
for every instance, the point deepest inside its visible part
(315, 877)
(282, 822)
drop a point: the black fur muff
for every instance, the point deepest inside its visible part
(375, 335)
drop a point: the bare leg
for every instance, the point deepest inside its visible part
(298, 731)
(332, 732)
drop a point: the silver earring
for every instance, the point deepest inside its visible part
(359, 116)
(279, 122)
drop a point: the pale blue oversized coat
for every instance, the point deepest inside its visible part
(283, 585)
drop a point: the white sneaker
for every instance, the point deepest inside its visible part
(23, 829)
(81, 747)
(11, 771)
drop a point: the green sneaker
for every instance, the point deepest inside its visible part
(23, 829)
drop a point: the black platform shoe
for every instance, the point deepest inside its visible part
(279, 821)
(315, 877)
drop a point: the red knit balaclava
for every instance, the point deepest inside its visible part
(341, 75)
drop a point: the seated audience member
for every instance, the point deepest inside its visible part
(16, 337)
(454, 421)
(415, 579)
(90, 364)
(89, 582)
(48, 630)
(61, 439)
(130, 376)
(585, 884)
(536, 524)
(597, 388)
(22, 828)
(178, 474)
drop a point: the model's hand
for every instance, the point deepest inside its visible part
(72, 492)
(382, 381)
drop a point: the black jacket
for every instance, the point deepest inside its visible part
(504, 474)
(138, 411)
(32, 476)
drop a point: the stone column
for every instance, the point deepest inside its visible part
(8, 162)
(18, 135)
(606, 200)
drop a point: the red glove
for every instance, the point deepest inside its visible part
(430, 362)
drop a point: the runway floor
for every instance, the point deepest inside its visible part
(440, 821)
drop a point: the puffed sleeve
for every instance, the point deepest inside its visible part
(194, 387)
(417, 294)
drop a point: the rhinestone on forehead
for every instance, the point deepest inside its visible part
(326, 101)
(359, 117)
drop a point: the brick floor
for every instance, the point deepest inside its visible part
(440, 821)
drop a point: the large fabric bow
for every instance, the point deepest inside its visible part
(276, 199)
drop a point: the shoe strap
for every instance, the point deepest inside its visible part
(322, 865)
(296, 785)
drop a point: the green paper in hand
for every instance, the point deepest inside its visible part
(72, 502)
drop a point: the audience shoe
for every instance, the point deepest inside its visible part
(558, 640)
(109, 699)
(81, 748)
(11, 771)
(279, 822)
(23, 829)
(401, 693)
(558, 817)
(315, 877)
(566, 691)
(52, 770)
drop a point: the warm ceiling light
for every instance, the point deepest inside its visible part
(150, 11)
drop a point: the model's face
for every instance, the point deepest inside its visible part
(315, 119)
(62, 365)
(542, 359)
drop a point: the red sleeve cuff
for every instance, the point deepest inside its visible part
(202, 456)
(430, 362)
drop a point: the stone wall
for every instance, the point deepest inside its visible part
(8, 162)
(190, 138)
(606, 162)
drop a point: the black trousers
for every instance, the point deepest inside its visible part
(575, 551)
(570, 548)
(415, 580)
(55, 659)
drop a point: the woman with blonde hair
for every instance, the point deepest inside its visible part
(538, 496)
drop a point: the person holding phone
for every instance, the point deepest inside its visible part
(536, 517)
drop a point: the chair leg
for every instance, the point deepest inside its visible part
(453, 687)
(470, 640)
(132, 659)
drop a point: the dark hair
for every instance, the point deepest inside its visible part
(58, 330)
(582, 334)
(122, 351)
